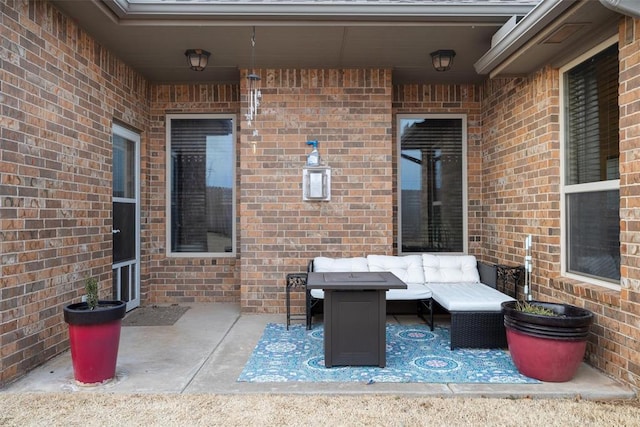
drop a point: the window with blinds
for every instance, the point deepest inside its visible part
(592, 117)
(202, 176)
(431, 166)
(591, 181)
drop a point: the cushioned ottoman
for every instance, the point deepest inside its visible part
(476, 313)
(475, 308)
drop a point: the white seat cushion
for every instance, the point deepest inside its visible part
(406, 268)
(450, 268)
(468, 296)
(317, 293)
(414, 291)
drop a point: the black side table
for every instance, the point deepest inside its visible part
(295, 280)
(509, 278)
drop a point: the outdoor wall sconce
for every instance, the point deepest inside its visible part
(197, 59)
(316, 183)
(442, 59)
(316, 177)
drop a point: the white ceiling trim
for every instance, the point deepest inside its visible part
(434, 11)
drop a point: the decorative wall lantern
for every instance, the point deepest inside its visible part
(442, 59)
(197, 59)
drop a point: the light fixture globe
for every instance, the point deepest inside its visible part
(197, 59)
(442, 59)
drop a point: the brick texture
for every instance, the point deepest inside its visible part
(348, 112)
(521, 196)
(181, 279)
(521, 170)
(60, 93)
(625, 329)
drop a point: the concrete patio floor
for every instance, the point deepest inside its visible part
(207, 348)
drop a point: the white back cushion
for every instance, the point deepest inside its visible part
(406, 268)
(450, 268)
(327, 265)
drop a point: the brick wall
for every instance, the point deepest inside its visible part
(521, 170)
(182, 279)
(521, 196)
(624, 329)
(59, 94)
(348, 112)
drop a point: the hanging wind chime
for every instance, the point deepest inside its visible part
(254, 94)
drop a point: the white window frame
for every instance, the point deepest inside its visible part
(465, 182)
(169, 174)
(565, 188)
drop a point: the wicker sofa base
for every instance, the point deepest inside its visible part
(477, 329)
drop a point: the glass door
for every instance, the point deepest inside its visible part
(126, 216)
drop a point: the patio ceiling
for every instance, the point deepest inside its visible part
(152, 36)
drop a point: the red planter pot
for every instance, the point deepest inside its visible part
(94, 337)
(545, 359)
(547, 348)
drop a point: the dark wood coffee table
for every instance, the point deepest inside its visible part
(355, 313)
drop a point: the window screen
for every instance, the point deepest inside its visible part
(594, 229)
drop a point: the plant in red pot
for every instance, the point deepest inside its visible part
(94, 335)
(547, 341)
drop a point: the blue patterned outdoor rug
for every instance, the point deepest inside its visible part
(414, 355)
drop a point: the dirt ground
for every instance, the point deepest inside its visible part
(102, 409)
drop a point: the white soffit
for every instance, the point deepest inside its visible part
(551, 33)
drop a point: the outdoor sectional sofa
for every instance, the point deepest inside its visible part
(458, 283)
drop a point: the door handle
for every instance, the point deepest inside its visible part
(115, 231)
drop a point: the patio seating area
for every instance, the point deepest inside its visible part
(458, 283)
(190, 358)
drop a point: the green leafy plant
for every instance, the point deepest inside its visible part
(91, 288)
(535, 309)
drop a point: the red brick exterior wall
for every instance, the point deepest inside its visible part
(181, 279)
(348, 112)
(60, 93)
(618, 342)
(521, 171)
(521, 196)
